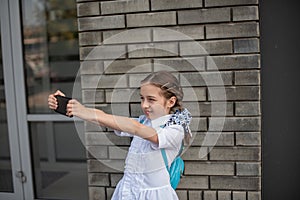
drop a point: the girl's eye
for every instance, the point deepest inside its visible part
(151, 99)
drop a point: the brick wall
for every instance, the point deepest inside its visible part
(151, 35)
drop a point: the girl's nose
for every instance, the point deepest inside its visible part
(145, 104)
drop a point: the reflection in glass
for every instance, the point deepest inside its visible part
(59, 160)
(50, 49)
(6, 184)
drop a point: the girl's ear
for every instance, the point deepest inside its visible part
(171, 102)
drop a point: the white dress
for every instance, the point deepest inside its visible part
(145, 175)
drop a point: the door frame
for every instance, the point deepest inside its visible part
(9, 87)
(15, 95)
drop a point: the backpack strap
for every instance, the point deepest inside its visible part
(164, 155)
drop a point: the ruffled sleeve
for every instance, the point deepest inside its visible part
(169, 137)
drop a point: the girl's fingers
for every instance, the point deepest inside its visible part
(73, 101)
(58, 92)
(70, 108)
(52, 102)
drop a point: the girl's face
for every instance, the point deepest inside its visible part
(155, 105)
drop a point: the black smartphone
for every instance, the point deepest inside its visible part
(62, 105)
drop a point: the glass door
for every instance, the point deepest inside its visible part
(51, 62)
(11, 175)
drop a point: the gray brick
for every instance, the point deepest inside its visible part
(93, 96)
(237, 195)
(109, 192)
(91, 127)
(135, 79)
(247, 77)
(151, 19)
(254, 195)
(97, 152)
(209, 168)
(204, 109)
(115, 109)
(135, 110)
(233, 62)
(194, 94)
(174, 4)
(247, 29)
(108, 81)
(179, 33)
(204, 16)
(105, 166)
(102, 52)
(98, 179)
(247, 109)
(195, 195)
(182, 194)
(116, 152)
(205, 48)
(210, 3)
(206, 79)
(235, 153)
(91, 67)
(224, 195)
(114, 7)
(193, 182)
(96, 193)
(115, 178)
(105, 139)
(248, 138)
(250, 45)
(128, 66)
(153, 50)
(127, 36)
(192, 153)
(198, 124)
(213, 139)
(248, 169)
(123, 95)
(245, 13)
(235, 124)
(90, 38)
(234, 183)
(100, 23)
(180, 64)
(234, 93)
(209, 195)
(86, 9)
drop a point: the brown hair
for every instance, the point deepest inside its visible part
(169, 86)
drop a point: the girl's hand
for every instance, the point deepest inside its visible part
(52, 101)
(77, 109)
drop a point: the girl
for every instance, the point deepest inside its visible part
(164, 125)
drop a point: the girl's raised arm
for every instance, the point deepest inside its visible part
(120, 123)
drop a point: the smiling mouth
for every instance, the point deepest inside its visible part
(147, 112)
